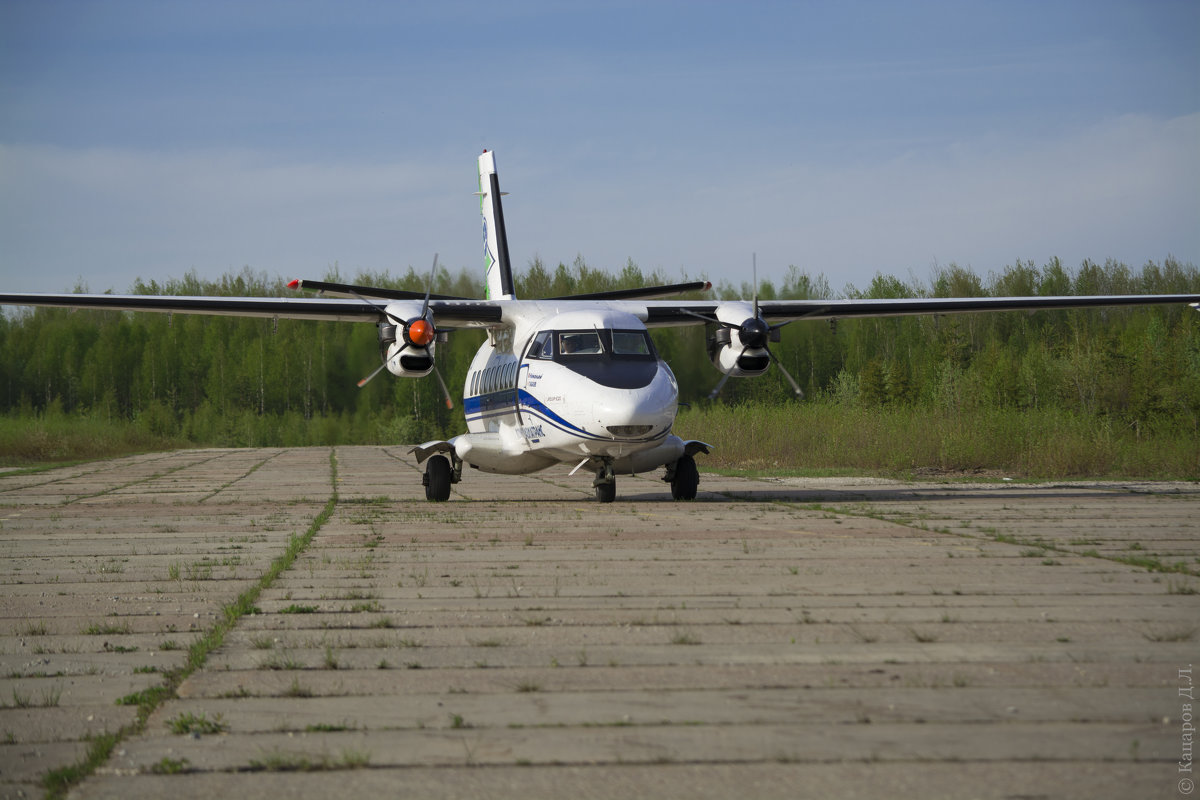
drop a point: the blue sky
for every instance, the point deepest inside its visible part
(147, 139)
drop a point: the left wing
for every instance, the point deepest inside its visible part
(776, 312)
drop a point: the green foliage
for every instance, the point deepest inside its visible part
(933, 440)
(88, 384)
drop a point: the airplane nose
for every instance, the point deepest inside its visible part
(629, 414)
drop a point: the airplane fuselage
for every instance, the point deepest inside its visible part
(567, 387)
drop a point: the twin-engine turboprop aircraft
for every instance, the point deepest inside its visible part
(570, 380)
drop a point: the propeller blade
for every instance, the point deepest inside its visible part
(429, 288)
(788, 375)
(382, 308)
(714, 321)
(379, 369)
(367, 379)
(754, 274)
(437, 374)
(717, 389)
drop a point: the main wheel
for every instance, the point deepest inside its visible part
(606, 492)
(687, 479)
(437, 479)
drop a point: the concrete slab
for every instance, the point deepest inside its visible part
(777, 637)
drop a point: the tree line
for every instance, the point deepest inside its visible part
(241, 381)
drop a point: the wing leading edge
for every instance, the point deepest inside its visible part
(779, 311)
(447, 313)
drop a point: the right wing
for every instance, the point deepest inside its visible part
(446, 313)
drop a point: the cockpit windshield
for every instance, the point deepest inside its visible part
(598, 343)
(586, 343)
(633, 343)
(623, 359)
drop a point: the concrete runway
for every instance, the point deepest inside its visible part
(775, 638)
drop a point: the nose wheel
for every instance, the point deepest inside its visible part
(605, 484)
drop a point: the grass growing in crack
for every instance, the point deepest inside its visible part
(296, 690)
(48, 699)
(281, 661)
(187, 722)
(170, 766)
(58, 782)
(295, 608)
(300, 762)
(1180, 634)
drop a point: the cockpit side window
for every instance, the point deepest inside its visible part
(541, 346)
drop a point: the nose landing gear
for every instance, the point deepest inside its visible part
(605, 483)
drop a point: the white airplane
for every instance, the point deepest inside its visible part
(572, 380)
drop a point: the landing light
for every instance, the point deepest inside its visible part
(629, 430)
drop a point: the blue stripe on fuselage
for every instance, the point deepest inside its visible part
(495, 404)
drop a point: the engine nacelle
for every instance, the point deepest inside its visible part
(729, 355)
(402, 358)
(738, 347)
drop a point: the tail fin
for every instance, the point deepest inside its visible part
(499, 282)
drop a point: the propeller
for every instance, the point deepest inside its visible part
(755, 334)
(417, 333)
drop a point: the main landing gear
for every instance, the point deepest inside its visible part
(438, 477)
(684, 478)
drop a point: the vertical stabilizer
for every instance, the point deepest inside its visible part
(498, 271)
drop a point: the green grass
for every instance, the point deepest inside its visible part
(55, 439)
(295, 608)
(59, 781)
(187, 722)
(821, 438)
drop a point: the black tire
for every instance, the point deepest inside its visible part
(606, 492)
(437, 479)
(687, 479)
